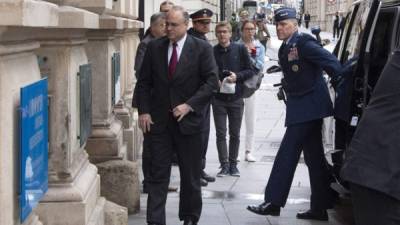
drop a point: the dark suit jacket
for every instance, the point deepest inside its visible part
(194, 82)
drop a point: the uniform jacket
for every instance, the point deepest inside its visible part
(194, 33)
(234, 58)
(372, 159)
(303, 61)
(194, 82)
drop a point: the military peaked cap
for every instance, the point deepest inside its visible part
(202, 14)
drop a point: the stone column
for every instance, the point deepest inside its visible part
(108, 144)
(73, 197)
(18, 68)
(74, 185)
(106, 141)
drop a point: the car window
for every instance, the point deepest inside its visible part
(351, 47)
(381, 45)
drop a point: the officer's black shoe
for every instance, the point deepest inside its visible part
(203, 182)
(189, 222)
(265, 208)
(207, 177)
(313, 215)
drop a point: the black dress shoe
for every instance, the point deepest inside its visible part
(189, 222)
(207, 177)
(313, 215)
(265, 208)
(203, 182)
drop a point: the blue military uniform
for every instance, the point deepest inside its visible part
(303, 61)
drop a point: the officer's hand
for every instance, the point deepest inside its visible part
(145, 122)
(336, 82)
(232, 78)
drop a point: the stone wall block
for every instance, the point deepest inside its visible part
(115, 214)
(28, 13)
(70, 17)
(120, 183)
(97, 6)
(105, 141)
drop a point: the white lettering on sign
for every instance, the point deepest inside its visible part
(38, 122)
(36, 139)
(35, 105)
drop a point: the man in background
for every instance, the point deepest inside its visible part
(156, 30)
(165, 6)
(307, 19)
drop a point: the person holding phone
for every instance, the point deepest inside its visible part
(233, 67)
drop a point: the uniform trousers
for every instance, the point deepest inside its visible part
(372, 207)
(205, 136)
(188, 150)
(300, 137)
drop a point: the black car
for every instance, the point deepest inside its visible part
(371, 33)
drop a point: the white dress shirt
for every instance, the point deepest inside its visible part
(179, 48)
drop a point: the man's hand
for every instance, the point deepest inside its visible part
(232, 78)
(145, 122)
(181, 110)
(336, 82)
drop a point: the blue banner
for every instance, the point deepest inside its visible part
(33, 146)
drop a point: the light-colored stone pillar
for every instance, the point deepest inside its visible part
(123, 43)
(73, 197)
(106, 141)
(18, 68)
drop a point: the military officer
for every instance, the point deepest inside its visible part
(201, 21)
(302, 60)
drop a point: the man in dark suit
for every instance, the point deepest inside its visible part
(307, 19)
(176, 83)
(302, 60)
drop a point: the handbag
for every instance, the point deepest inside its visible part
(252, 84)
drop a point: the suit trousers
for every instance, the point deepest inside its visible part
(205, 136)
(233, 111)
(306, 137)
(189, 152)
(250, 120)
(146, 159)
(372, 207)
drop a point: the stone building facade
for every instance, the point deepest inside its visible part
(55, 39)
(322, 12)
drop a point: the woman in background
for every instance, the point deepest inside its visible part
(257, 56)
